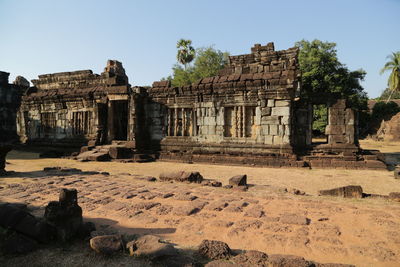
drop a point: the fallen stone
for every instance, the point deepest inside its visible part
(251, 258)
(151, 247)
(181, 176)
(350, 191)
(277, 260)
(316, 264)
(294, 219)
(396, 173)
(106, 244)
(394, 196)
(221, 263)
(238, 180)
(25, 223)
(18, 244)
(214, 250)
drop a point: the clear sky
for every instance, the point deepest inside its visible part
(47, 36)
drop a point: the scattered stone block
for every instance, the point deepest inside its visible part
(214, 250)
(396, 173)
(251, 258)
(394, 196)
(277, 260)
(181, 176)
(18, 244)
(238, 180)
(350, 191)
(151, 247)
(106, 244)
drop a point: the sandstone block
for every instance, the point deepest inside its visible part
(150, 246)
(266, 111)
(394, 196)
(214, 249)
(271, 103)
(350, 191)
(238, 180)
(280, 111)
(282, 103)
(396, 173)
(181, 176)
(273, 129)
(106, 244)
(270, 120)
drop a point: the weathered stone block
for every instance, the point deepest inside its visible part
(265, 129)
(396, 173)
(269, 140)
(273, 129)
(335, 129)
(270, 120)
(238, 180)
(271, 103)
(181, 176)
(350, 191)
(285, 120)
(280, 111)
(266, 111)
(282, 103)
(277, 140)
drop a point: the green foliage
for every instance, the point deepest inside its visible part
(320, 119)
(384, 111)
(323, 74)
(386, 94)
(206, 64)
(186, 52)
(393, 65)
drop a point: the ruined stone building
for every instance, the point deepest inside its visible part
(250, 113)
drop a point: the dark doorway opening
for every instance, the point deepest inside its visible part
(120, 119)
(319, 123)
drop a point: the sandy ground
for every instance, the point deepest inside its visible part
(364, 232)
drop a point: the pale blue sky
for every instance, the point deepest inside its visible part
(46, 36)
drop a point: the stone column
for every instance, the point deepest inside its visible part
(176, 120)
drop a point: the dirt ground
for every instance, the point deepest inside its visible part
(363, 232)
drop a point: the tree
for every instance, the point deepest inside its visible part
(389, 93)
(207, 63)
(186, 52)
(393, 65)
(323, 73)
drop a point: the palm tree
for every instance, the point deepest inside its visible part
(393, 65)
(186, 52)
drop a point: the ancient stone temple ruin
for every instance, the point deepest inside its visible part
(10, 98)
(70, 108)
(251, 113)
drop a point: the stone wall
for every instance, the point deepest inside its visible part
(247, 108)
(73, 107)
(10, 98)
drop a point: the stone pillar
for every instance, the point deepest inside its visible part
(176, 120)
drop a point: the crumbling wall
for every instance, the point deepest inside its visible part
(247, 108)
(73, 107)
(10, 99)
